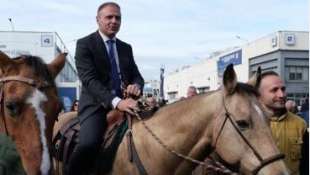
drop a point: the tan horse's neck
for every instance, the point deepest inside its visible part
(185, 127)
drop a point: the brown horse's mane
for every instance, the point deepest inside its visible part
(39, 67)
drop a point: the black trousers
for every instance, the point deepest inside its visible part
(90, 138)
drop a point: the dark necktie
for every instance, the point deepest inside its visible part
(116, 81)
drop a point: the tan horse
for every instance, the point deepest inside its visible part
(229, 121)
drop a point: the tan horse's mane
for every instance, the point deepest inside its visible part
(187, 106)
(183, 104)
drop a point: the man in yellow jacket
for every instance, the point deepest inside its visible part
(287, 128)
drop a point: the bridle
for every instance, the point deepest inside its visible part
(28, 81)
(263, 162)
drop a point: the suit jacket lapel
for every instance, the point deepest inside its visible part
(102, 51)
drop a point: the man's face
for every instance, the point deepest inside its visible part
(151, 101)
(272, 93)
(109, 20)
(191, 92)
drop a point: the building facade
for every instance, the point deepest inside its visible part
(46, 45)
(285, 52)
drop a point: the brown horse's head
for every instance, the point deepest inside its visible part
(29, 107)
(242, 136)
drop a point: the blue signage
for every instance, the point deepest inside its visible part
(234, 58)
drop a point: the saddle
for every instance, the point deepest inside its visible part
(63, 144)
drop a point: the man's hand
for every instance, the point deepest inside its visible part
(128, 105)
(133, 89)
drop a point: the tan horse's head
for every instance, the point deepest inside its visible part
(29, 107)
(253, 150)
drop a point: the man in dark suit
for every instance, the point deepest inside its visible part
(103, 63)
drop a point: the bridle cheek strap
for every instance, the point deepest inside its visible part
(2, 109)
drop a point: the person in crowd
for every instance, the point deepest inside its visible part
(104, 64)
(287, 128)
(290, 106)
(152, 103)
(74, 106)
(304, 111)
(191, 91)
(162, 102)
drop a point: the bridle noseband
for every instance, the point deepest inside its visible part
(31, 82)
(263, 162)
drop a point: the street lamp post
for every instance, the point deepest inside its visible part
(242, 39)
(11, 23)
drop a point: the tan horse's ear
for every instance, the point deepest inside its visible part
(255, 79)
(230, 79)
(4, 60)
(57, 64)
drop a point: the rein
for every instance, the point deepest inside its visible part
(21, 79)
(166, 147)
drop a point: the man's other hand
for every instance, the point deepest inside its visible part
(128, 105)
(133, 89)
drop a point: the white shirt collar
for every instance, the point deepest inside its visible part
(105, 38)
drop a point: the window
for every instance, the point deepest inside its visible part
(297, 97)
(296, 73)
(172, 95)
(203, 89)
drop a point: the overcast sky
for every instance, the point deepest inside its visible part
(162, 32)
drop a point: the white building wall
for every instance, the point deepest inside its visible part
(200, 75)
(301, 40)
(35, 43)
(206, 74)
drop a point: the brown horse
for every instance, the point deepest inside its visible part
(229, 121)
(29, 107)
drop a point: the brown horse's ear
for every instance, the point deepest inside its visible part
(57, 64)
(230, 79)
(255, 79)
(4, 60)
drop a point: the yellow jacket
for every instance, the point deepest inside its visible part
(287, 132)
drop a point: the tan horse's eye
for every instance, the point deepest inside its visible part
(243, 124)
(13, 107)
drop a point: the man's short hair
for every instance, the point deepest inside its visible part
(192, 87)
(106, 4)
(266, 74)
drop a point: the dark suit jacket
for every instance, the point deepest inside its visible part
(94, 69)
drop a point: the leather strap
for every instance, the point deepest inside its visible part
(2, 109)
(26, 80)
(133, 154)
